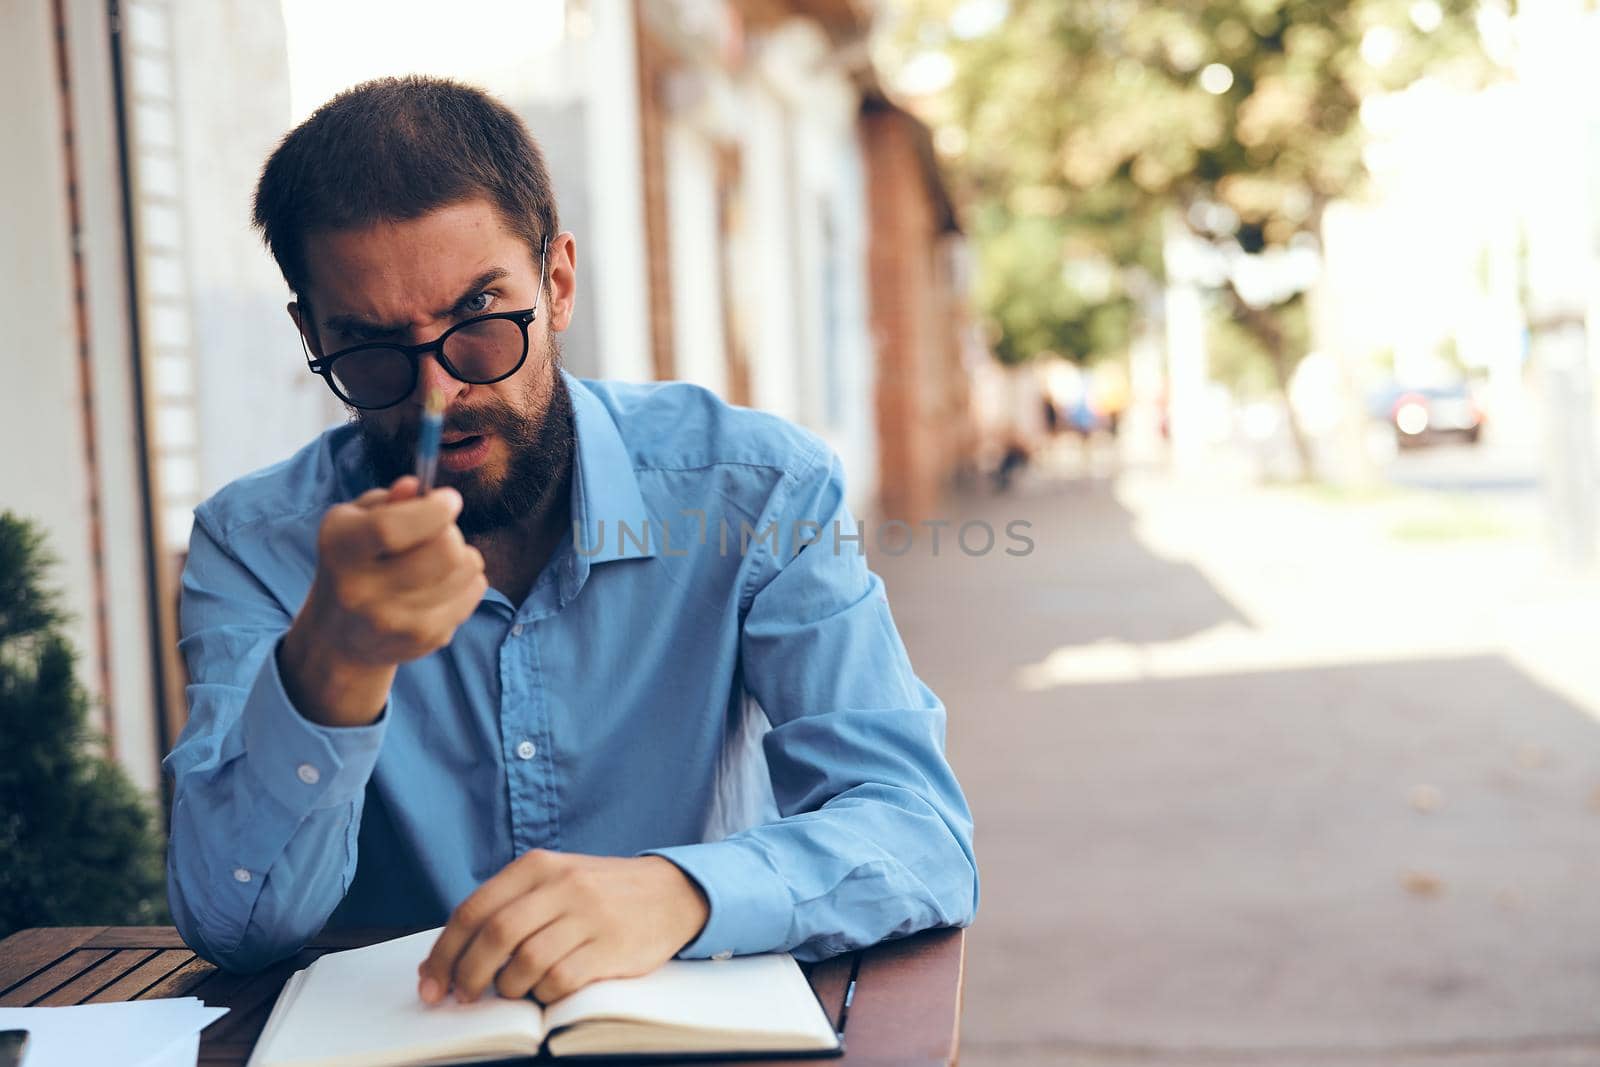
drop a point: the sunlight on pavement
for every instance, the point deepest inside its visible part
(1226, 649)
(1324, 582)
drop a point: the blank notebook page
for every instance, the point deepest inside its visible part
(361, 1007)
(747, 993)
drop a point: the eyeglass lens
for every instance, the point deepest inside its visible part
(476, 353)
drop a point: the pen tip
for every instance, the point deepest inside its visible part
(434, 404)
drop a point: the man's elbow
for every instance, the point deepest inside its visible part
(961, 897)
(969, 911)
(217, 940)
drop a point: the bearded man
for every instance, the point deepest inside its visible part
(549, 703)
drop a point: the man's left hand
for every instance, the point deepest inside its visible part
(552, 922)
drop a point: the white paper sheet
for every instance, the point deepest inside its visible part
(184, 1052)
(146, 1033)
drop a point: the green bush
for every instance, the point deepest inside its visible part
(78, 841)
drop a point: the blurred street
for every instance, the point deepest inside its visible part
(1272, 775)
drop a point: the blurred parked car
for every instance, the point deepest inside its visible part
(1429, 414)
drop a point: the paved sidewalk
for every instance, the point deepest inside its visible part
(1262, 778)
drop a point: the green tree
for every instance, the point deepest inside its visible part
(1080, 131)
(78, 844)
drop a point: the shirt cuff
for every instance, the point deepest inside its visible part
(302, 764)
(750, 909)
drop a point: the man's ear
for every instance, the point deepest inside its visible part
(562, 269)
(302, 322)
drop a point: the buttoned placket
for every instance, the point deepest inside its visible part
(525, 722)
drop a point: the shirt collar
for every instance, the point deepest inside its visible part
(605, 489)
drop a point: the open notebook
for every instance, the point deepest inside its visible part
(360, 1009)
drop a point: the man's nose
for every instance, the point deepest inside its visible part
(431, 375)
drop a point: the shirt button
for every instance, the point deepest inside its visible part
(516, 631)
(525, 750)
(308, 774)
(241, 875)
(725, 954)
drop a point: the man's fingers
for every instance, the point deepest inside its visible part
(583, 965)
(449, 599)
(403, 488)
(533, 959)
(395, 528)
(431, 566)
(492, 947)
(434, 617)
(370, 528)
(438, 970)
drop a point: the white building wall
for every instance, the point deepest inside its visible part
(769, 283)
(44, 466)
(232, 86)
(850, 361)
(615, 244)
(699, 345)
(812, 359)
(43, 471)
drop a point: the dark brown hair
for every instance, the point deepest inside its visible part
(394, 149)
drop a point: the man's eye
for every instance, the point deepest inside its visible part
(477, 305)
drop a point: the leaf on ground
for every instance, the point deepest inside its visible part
(1422, 883)
(1426, 798)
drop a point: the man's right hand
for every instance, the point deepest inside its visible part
(394, 579)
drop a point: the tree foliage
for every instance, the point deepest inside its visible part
(1077, 130)
(77, 839)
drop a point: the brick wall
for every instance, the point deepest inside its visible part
(914, 320)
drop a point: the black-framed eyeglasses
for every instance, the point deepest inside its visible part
(481, 350)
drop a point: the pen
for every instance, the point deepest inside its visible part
(428, 440)
(849, 994)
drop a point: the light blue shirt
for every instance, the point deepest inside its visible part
(705, 670)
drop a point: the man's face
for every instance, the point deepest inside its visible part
(504, 444)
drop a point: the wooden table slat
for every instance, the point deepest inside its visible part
(183, 982)
(96, 978)
(161, 965)
(28, 952)
(57, 974)
(219, 986)
(136, 937)
(247, 1024)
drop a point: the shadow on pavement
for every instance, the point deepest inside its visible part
(1381, 861)
(1087, 579)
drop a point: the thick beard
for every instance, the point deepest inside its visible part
(541, 449)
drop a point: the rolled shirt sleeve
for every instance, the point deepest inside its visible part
(875, 838)
(266, 803)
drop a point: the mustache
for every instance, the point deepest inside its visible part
(466, 421)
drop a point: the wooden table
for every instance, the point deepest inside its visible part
(906, 1010)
